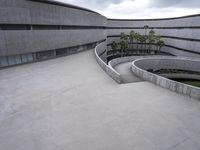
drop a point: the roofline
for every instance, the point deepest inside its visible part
(173, 18)
(52, 2)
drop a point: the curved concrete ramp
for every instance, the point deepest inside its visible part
(126, 73)
(69, 103)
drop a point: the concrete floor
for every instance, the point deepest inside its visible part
(69, 103)
(127, 76)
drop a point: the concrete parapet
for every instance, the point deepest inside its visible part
(109, 70)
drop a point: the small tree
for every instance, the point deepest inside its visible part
(123, 36)
(137, 38)
(131, 38)
(151, 39)
(123, 43)
(114, 45)
(160, 43)
(142, 41)
(123, 46)
(146, 27)
(157, 38)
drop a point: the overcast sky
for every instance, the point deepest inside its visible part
(140, 8)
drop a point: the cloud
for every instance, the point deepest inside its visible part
(176, 3)
(134, 9)
(128, 8)
(93, 4)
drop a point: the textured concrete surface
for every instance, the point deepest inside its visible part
(70, 103)
(126, 73)
(21, 42)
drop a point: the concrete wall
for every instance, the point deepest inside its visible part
(140, 66)
(32, 28)
(181, 35)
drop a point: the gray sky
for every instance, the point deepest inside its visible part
(140, 8)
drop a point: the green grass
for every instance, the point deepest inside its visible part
(189, 82)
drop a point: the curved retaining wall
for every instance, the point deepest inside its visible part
(120, 60)
(109, 68)
(140, 66)
(99, 49)
(116, 61)
(34, 30)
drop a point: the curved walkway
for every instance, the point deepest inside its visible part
(126, 73)
(69, 103)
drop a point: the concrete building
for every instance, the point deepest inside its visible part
(70, 103)
(33, 30)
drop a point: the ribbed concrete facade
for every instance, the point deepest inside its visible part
(32, 30)
(181, 35)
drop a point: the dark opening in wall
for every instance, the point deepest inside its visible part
(46, 27)
(60, 52)
(15, 59)
(45, 54)
(14, 27)
(27, 58)
(3, 61)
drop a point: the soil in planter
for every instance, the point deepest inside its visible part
(192, 82)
